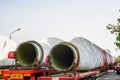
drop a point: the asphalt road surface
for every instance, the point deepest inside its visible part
(110, 75)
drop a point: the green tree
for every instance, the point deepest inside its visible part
(115, 29)
(118, 59)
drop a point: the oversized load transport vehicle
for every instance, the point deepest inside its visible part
(6, 45)
(67, 59)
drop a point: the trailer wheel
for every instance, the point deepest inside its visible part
(117, 72)
(94, 78)
(91, 78)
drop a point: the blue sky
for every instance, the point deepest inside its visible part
(64, 19)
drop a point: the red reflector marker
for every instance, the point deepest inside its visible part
(48, 59)
(11, 54)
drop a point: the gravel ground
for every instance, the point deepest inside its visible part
(110, 75)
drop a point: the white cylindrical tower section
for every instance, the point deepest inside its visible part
(89, 53)
(79, 54)
(32, 53)
(6, 45)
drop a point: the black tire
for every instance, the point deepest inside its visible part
(117, 72)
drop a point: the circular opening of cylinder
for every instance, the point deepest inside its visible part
(26, 54)
(62, 58)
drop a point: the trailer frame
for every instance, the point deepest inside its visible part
(51, 74)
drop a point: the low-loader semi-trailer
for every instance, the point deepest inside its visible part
(51, 74)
